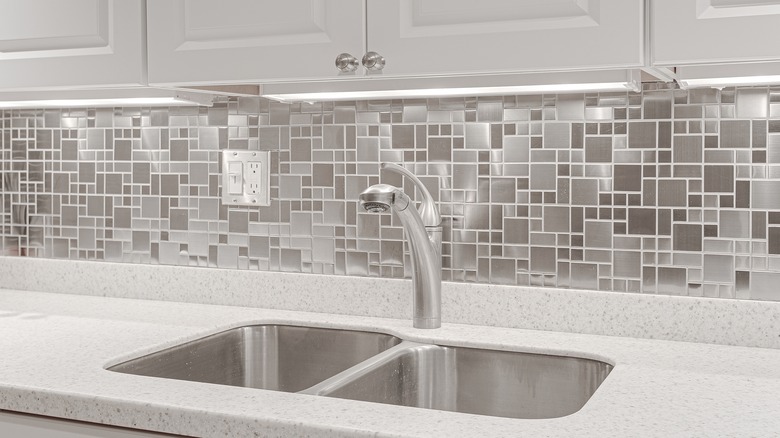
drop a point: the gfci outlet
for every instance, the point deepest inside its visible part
(246, 178)
(253, 176)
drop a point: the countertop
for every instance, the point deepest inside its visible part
(55, 348)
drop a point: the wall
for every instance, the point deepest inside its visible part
(664, 191)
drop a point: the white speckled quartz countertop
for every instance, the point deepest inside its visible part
(54, 349)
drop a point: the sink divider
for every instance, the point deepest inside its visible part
(355, 372)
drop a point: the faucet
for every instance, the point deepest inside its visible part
(423, 234)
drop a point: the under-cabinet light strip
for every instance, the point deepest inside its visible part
(448, 92)
(729, 75)
(380, 87)
(73, 103)
(142, 96)
(729, 82)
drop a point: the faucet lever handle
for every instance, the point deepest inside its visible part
(428, 211)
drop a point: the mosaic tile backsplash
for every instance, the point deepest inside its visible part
(664, 192)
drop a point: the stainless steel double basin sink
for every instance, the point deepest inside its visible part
(381, 368)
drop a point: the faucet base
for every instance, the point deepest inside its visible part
(427, 323)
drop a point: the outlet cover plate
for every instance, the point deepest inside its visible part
(246, 177)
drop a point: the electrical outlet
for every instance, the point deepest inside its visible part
(254, 172)
(246, 177)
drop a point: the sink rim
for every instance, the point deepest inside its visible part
(419, 338)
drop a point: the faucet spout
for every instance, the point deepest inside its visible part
(424, 252)
(428, 211)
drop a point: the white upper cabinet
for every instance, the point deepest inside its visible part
(198, 42)
(46, 44)
(248, 41)
(472, 36)
(689, 32)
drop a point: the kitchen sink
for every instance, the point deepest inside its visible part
(276, 357)
(474, 381)
(380, 368)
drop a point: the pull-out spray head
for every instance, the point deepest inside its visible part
(380, 197)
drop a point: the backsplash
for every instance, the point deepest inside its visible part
(665, 191)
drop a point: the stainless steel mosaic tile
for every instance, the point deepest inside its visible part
(665, 191)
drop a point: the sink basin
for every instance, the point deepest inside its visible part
(276, 357)
(475, 381)
(381, 368)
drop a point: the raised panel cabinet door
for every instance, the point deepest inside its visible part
(467, 36)
(689, 32)
(199, 42)
(71, 44)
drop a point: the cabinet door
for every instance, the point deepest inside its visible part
(689, 32)
(74, 43)
(239, 41)
(468, 36)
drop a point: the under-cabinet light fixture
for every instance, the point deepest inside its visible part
(135, 97)
(378, 87)
(729, 75)
(729, 82)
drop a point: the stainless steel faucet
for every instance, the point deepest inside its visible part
(423, 234)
